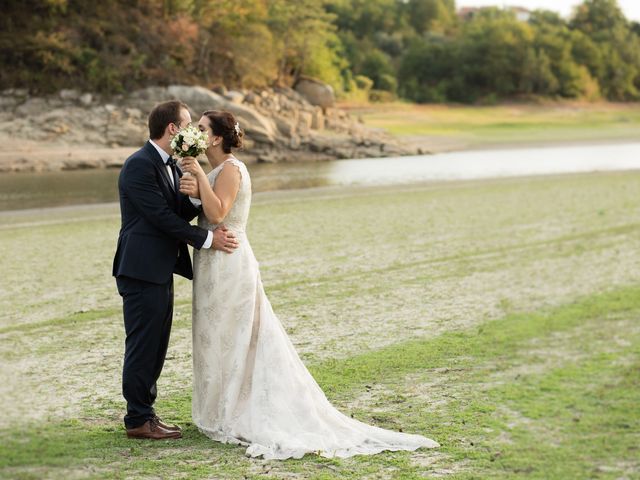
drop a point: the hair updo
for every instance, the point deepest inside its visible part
(223, 124)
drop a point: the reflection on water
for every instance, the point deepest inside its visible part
(54, 189)
(37, 190)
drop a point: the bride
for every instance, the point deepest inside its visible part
(249, 385)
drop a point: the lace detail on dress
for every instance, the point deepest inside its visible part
(249, 385)
(236, 219)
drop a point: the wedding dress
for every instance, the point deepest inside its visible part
(250, 386)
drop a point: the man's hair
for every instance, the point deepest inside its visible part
(162, 115)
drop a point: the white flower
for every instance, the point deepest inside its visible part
(187, 138)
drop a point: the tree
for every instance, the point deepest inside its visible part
(617, 66)
(494, 49)
(305, 40)
(428, 72)
(596, 16)
(431, 15)
(377, 66)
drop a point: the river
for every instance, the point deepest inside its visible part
(50, 189)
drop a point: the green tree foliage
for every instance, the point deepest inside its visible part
(431, 15)
(616, 65)
(115, 45)
(419, 49)
(495, 55)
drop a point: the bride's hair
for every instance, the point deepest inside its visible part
(224, 124)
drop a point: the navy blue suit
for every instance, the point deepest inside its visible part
(152, 246)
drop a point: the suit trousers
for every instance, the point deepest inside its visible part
(148, 313)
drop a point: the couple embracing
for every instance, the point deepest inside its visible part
(249, 385)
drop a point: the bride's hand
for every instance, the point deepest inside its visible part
(191, 165)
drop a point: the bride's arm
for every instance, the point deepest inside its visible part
(216, 202)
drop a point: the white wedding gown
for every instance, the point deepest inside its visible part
(249, 385)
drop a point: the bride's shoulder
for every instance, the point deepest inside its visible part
(233, 163)
(233, 160)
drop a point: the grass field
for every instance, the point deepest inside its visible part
(438, 128)
(500, 318)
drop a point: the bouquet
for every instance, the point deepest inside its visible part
(189, 142)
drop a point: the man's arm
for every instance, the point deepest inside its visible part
(140, 186)
(190, 206)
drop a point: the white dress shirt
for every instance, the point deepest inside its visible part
(165, 156)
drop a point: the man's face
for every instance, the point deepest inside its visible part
(185, 119)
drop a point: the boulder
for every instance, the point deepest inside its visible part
(69, 94)
(285, 126)
(290, 94)
(33, 107)
(8, 103)
(316, 92)
(252, 99)
(16, 92)
(234, 96)
(86, 99)
(257, 126)
(199, 99)
(317, 120)
(305, 120)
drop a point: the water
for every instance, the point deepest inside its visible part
(39, 190)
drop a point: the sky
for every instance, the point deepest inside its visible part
(631, 8)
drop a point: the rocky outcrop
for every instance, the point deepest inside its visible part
(280, 124)
(315, 92)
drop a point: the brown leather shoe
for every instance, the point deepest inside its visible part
(151, 429)
(172, 428)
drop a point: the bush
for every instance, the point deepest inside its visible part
(363, 83)
(377, 66)
(381, 96)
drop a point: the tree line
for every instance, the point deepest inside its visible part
(421, 50)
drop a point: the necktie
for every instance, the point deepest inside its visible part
(171, 162)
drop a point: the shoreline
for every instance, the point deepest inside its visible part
(15, 217)
(60, 158)
(348, 131)
(519, 145)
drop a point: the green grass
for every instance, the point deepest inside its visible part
(574, 417)
(500, 318)
(473, 127)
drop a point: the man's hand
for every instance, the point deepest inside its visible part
(189, 186)
(224, 240)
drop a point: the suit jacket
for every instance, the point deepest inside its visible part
(155, 229)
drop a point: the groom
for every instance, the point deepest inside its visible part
(152, 246)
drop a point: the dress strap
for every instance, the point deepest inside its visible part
(242, 168)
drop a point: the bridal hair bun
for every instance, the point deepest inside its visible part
(225, 125)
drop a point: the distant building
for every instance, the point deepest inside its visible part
(467, 13)
(521, 13)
